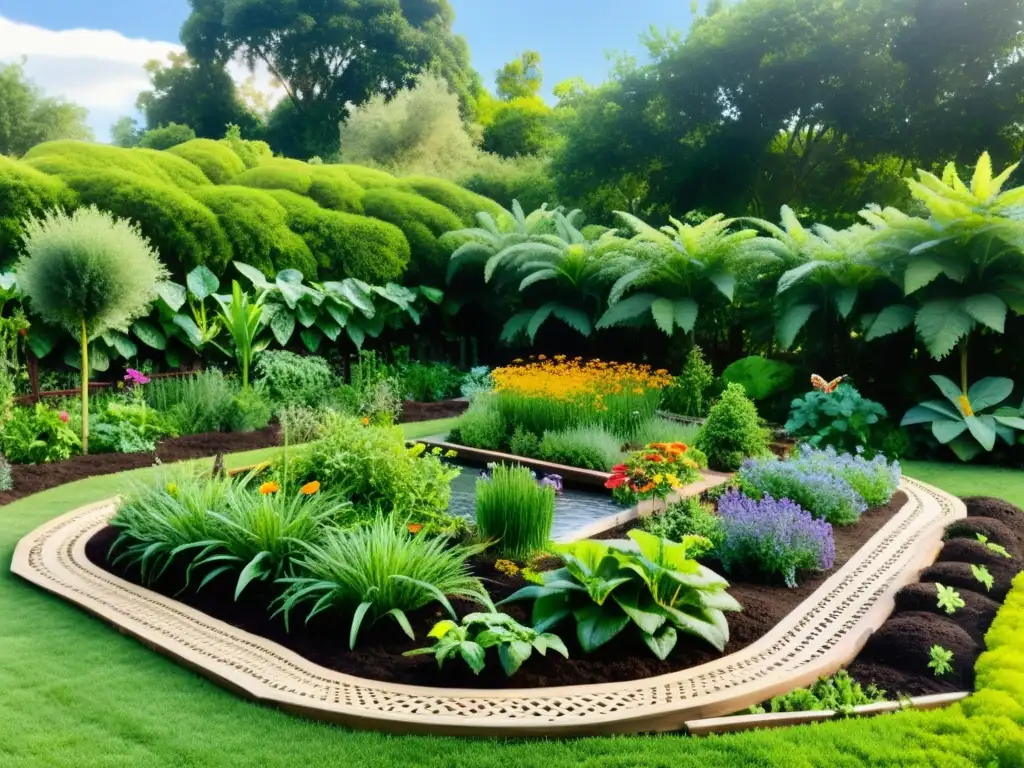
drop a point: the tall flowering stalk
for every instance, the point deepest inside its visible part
(773, 538)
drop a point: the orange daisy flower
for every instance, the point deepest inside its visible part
(271, 486)
(310, 488)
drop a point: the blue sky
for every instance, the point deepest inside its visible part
(572, 36)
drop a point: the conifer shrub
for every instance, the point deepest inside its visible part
(733, 431)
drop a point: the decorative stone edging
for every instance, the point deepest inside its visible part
(816, 638)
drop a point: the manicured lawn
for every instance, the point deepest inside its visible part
(970, 480)
(73, 692)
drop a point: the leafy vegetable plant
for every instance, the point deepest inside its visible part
(982, 574)
(652, 583)
(842, 418)
(242, 316)
(949, 599)
(940, 660)
(477, 632)
(991, 546)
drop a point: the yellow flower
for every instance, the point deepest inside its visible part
(542, 357)
(271, 486)
(310, 488)
(965, 406)
(560, 358)
(172, 489)
(435, 451)
(658, 478)
(366, 421)
(507, 567)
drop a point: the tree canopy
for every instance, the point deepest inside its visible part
(29, 117)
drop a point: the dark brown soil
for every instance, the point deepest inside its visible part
(33, 478)
(378, 654)
(993, 530)
(973, 551)
(997, 509)
(961, 576)
(414, 411)
(974, 618)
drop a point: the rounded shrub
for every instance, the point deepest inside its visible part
(760, 377)
(332, 188)
(184, 231)
(58, 157)
(461, 202)
(423, 222)
(256, 225)
(346, 245)
(25, 192)
(733, 431)
(291, 175)
(215, 159)
(371, 178)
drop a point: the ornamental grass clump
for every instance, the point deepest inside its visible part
(775, 539)
(591, 447)
(90, 273)
(515, 511)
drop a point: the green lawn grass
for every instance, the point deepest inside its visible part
(73, 692)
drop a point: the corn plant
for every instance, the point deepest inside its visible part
(379, 570)
(242, 318)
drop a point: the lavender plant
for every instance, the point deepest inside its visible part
(772, 538)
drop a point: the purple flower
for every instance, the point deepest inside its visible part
(555, 481)
(773, 538)
(136, 377)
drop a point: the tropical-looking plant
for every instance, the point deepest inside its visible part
(677, 266)
(242, 317)
(652, 583)
(480, 244)
(90, 273)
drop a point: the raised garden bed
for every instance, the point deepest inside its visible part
(379, 653)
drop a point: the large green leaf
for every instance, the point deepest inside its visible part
(920, 272)
(41, 340)
(845, 299)
(311, 337)
(516, 325)
(627, 310)
(202, 282)
(988, 309)
(575, 318)
(942, 323)
(795, 275)
(118, 341)
(624, 283)
(149, 334)
(539, 317)
(189, 328)
(949, 389)
(646, 616)
(892, 319)
(685, 312)
(983, 429)
(537, 277)
(256, 277)
(948, 429)
(791, 323)
(724, 282)
(988, 392)
(965, 448)
(927, 412)
(173, 294)
(596, 625)
(662, 643)
(282, 325)
(663, 313)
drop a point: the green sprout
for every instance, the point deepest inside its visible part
(999, 549)
(982, 574)
(949, 599)
(940, 660)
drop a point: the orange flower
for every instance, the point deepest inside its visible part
(310, 488)
(542, 357)
(415, 528)
(271, 486)
(366, 421)
(680, 447)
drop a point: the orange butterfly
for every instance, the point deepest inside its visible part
(828, 387)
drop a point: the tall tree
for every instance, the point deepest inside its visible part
(520, 78)
(29, 117)
(125, 132)
(201, 95)
(327, 55)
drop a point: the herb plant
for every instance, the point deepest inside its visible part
(773, 538)
(992, 546)
(842, 418)
(687, 394)
(514, 511)
(983, 575)
(688, 517)
(733, 431)
(291, 379)
(6, 475)
(243, 319)
(839, 693)
(38, 435)
(940, 660)
(949, 599)
(647, 582)
(589, 447)
(477, 632)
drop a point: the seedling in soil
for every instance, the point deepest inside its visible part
(999, 549)
(982, 574)
(940, 660)
(949, 599)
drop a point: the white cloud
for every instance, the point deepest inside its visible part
(99, 69)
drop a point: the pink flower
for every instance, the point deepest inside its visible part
(64, 416)
(136, 377)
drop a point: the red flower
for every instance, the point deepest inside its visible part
(615, 481)
(620, 468)
(655, 457)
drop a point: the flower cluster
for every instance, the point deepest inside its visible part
(563, 379)
(773, 538)
(272, 486)
(133, 376)
(833, 486)
(653, 472)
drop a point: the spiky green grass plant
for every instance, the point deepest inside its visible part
(589, 447)
(513, 510)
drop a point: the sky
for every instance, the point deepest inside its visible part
(92, 51)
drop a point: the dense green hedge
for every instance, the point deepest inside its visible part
(185, 232)
(371, 178)
(333, 188)
(423, 223)
(277, 174)
(58, 157)
(214, 158)
(345, 245)
(25, 192)
(461, 202)
(257, 227)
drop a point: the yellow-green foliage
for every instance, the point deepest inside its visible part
(333, 188)
(371, 178)
(66, 156)
(328, 185)
(214, 158)
(291, 175)
(185, 232)
(25, 192)
(423, 223)
(257, 226)
(461, 202)
(345, 245)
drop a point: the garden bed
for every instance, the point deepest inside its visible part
(33, 478)
(379, 653)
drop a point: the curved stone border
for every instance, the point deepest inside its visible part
(820, 635)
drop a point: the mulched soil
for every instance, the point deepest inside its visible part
(33, 478)
(378, 654)
(896, 656)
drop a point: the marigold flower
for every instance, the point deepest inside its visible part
(681, 447)
(658, 478)
(271, 486)
(366, 421)
(542, 357)
(415, 528)
(310, 488)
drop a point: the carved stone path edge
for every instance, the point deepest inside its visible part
(819, 636)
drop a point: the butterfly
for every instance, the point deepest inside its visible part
(828, 387)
